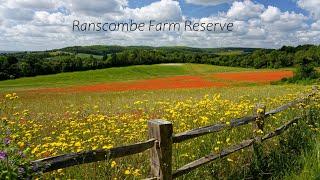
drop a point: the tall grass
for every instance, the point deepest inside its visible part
(310, 158)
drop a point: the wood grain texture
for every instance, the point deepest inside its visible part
(161, 153)
(72, 159)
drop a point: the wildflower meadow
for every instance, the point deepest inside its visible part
(29, 134)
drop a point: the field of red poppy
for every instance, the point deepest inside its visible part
(215, 80)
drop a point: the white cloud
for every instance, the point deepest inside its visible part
(316, 26)
(283, 22)
(271, 14)
(33, 4)
(254, 24)
(96, 7)
(291, 21)
(308, 37)
(313, 6)
(245, 10)
(160, 10)
(44, 18)
(208, 2)
(17, 14)
(256, 33)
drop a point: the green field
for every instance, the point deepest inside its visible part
(89, 55)
(58, 123)
(113, 75)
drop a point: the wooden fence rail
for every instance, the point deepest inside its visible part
(235, 122)
(161, 139)
(72, 159)
(211, 157)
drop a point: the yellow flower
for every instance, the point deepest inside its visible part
(127, 172)
(230, 160)
(260, 110)
(260, 131)
(136, 172)
(77, 144)
(21, 144)
(113, 164)
(108, 146)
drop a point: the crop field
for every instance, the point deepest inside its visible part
(74, 112)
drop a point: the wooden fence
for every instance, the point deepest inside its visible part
(161, 140)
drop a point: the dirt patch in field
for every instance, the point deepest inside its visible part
(171, 64)
(259, 77)
(177, 82)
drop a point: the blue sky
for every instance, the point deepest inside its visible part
(47, 24)
(192, 10)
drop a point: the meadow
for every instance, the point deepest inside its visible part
(113, 75)
(49, 123)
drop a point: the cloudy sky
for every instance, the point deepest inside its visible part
(47, 24)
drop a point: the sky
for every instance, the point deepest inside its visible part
(47, 24)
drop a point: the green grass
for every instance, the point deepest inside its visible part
(309, 160)
(88, 55)
(311, 165)
(112, 75)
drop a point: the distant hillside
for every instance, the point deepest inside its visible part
(7, 52)
(82, 58)
(102, 50)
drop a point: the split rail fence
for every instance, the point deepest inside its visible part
(161, 141)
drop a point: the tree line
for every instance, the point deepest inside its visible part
(26, 64)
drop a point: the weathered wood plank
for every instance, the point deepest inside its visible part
(211, 157)
(281, 129)
(291, 104)
(72, 159)
(242, 121)
(177, 138)
(283, 107)
(161, 153)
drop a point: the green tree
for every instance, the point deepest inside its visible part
(306, 70)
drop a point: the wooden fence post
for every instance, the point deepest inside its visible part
(161, 153)
(258, 125)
